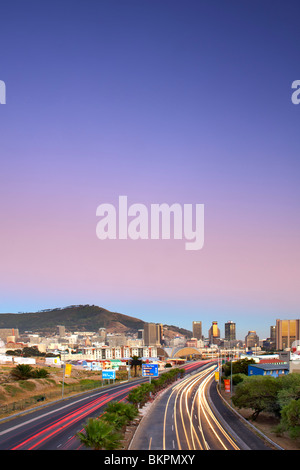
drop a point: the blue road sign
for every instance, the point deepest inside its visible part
(109, 374)
(150, 370)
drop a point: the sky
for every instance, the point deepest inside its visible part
(164, 101)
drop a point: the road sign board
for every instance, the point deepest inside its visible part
(150, 370)
(109, 374)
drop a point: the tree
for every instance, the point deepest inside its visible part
(100, 435)
(119, 414)
(29, 351)
(140, 395)
(238, 378)
(238, 367)
(118, 421)
(120, 408)
(290, 418)
(258, 393)
(135, 362)
(14, 352)
(40, 373)
(289, 388)
(22, 372)
(25, 371)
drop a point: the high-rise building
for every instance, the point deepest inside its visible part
(102, 334)
(230, 334)
(153, 333)
(197, 329)
(5, 332)
(61, 330)
(273, 334)
(140, 334)
(251, 340)
(214, 333)
(160, 333)
(287, 331)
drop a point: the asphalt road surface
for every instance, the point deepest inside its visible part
(55, 426)
(187, 417)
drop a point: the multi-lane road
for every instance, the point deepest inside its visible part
(182, 418)
(55, 426)
(191, 416)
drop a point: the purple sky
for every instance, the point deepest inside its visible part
(162, 101)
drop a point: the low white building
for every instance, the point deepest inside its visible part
(101, 353)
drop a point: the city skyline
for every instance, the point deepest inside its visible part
(227, 328)
(164, 102)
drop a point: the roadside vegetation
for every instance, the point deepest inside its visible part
(107, 431)
(277, 396)
(24, 386)
(25, 372)
(140, 395)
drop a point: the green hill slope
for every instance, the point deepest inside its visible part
(74, 318)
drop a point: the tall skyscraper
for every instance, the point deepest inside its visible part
(214, 333)
(61, 330)
(153, 333)
(230, 334)
(140, 334)
(251, 340)
(197, 329)
(273, 334)
(287, 331)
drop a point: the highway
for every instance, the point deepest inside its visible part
(185, 419)
(55, 426)
(195, 425)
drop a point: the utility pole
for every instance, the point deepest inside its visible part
(63, 383)
(231, 380)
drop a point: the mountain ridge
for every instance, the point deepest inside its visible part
(75, 318)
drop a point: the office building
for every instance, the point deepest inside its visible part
(230, 334)
(197, 329)
(61, 330)
(251, 340)
(140, 334)
(214, 333)
(287, 332)
(273, 334)
(153, 334)
(5, 332)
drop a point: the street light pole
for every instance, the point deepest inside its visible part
(63, 383)
(231, 380)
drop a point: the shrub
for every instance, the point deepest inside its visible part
(22, 372)
(290, 418)
(100, 435)
(238, 378)
(258, 393)
(40, 373)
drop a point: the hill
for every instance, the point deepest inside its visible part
(75, 318)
